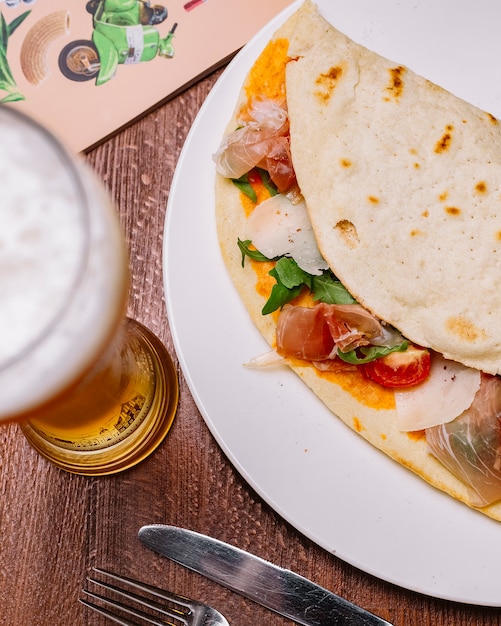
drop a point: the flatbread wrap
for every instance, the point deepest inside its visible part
(358, 212)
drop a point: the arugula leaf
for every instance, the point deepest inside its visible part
(288, 272)
(245, 187)
(369, 353)
(327, 288)
(267, 182)
(252, 253)
(290, 281)
(279, 297)
(289, 276)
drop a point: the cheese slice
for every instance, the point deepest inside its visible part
(280, 227)
(449, 390)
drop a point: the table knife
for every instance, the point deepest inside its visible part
(273, 587)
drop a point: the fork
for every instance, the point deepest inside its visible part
(175, 607)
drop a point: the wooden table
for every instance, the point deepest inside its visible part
(55, 526)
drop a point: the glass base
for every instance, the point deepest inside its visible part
(128, 431)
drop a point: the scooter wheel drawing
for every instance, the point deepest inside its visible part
(91, 6)
(79, 60)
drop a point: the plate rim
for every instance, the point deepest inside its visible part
(457, 592)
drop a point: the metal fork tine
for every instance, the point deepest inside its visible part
(129, 610)
(150, 604)
(155, 591)
(112, 616)
(179, 609)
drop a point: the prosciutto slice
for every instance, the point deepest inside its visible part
(470, 445)
(316, 333)
(261, 140)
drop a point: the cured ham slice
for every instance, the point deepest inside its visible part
(278, 164)
(304, 333)
(470, 445)
(261, 140)
(353, 326)
(316, 333)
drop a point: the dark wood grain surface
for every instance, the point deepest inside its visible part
(56, 526)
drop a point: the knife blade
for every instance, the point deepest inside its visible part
(271, 586)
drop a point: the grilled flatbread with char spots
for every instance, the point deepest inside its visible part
(358, 208)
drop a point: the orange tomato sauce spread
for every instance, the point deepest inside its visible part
(267, 79)
(267, 76)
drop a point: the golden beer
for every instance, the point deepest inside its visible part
(94, 391)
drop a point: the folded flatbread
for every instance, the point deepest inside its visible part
(402, 183)
(406, 198)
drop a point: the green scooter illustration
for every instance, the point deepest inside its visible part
(124, 33)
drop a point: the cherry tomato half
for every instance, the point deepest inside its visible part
(400, 369)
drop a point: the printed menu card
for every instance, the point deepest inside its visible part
(86, 68)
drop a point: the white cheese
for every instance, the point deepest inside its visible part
(447, 392)
(279, 227)
(265, 360)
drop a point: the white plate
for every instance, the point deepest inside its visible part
(316, 473)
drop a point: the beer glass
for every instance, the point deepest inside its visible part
(94, 391)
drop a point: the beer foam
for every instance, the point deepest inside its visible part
(62, 266)
(42, 240)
